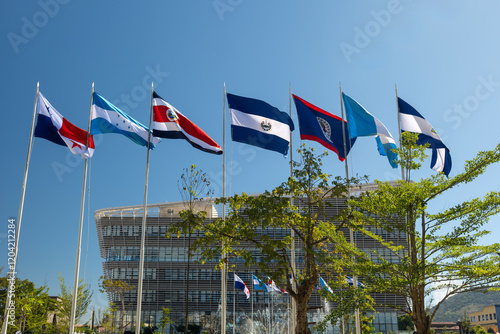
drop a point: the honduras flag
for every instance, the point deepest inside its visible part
(362, 123)
(239, 284)
(257, 123)
(412, 121)
(321, 126)
(52, 126)
(106, 118)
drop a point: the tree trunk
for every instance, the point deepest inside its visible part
(301, 319)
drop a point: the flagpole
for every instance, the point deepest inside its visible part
(399, 130)
(234, 305)
(80, 229)
(223, 273)
(251, 296)
(292, 232)
(351, 233)
(143, 229)
(12, 265)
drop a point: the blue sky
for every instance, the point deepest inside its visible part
(443, 57)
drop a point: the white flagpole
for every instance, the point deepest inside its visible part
(223, 273)
(234, 305)
(399, 130)
(143, 231)
(79, 243)
(292, 232)
(351, 234)
(12, 265)
(251, 296)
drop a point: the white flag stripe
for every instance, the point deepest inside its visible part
(242, 119)
(416, 124)
(381, 129)
(441, 154)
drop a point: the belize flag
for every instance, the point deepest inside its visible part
(321, 126)
(168, 122)
(106, 118)
(257, 123)
(412, 121)
(362, 123)
(52, 126)
(239, 284)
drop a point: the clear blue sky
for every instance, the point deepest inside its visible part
(443, 56)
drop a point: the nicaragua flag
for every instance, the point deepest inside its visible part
(412, 121)
(168, 122)
(52, 126)
(258, 285)
(321, 126)
(239, 284)
(257, 123)
(362, 123)
(106, 118)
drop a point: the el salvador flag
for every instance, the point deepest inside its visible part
(239, 284)
(106, 118)
(362, 123)
(411, 121)
(257, 123)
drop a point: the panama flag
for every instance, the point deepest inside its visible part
(412, 121)
(239, 284)
(257, 123)
(52, 126)
(362, 123)
(168, 122)
(106, 118)
(321, 126)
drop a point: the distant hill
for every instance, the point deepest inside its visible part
(453, 308)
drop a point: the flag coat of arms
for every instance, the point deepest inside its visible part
(321, 126)
(106, 118)
(257, 123)
(362, 123)
(412, 121)
(168, 122)
(240, 285)
(51, 125)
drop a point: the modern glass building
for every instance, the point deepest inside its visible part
(165, 274)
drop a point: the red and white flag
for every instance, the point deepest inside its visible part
(51, 125)
(168, 122)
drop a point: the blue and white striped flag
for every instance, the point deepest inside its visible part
(257, 123)
(412, 121)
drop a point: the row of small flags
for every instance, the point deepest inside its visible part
(258, 285)
(253, 122)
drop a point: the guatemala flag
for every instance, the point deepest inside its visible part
(239, 284)
(52, 126)
(258, 285)
(106, 118)
(257, 123)
(362, 123)
(412, 121)
(168, 122)
(321, 126)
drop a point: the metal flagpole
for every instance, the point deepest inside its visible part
(223, 273)
(143, 230)
(234, 306)
(399, 130)
(12, 265)
(292, 232)
(251, 296)
(351, 233)
(79, 244)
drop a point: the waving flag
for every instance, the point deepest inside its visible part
(324, 285)
(52, 126)
(276, 288)
(412, 121)
(257, 123)
(321, 126)
(168, 122)
(362, 123)
(106, 118)
(239, 284)
(258, 285)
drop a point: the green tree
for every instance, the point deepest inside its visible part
(116, 290)
(193, 186)
(83, 300)
(443, 248)
(318, 234)
(478, 330)
(165, 319)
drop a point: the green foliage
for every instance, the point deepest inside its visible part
(405, 323)
(84, 298)
(317, 233)
(116, 288)
(477, 330)
(165, 319)
(443, 250)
